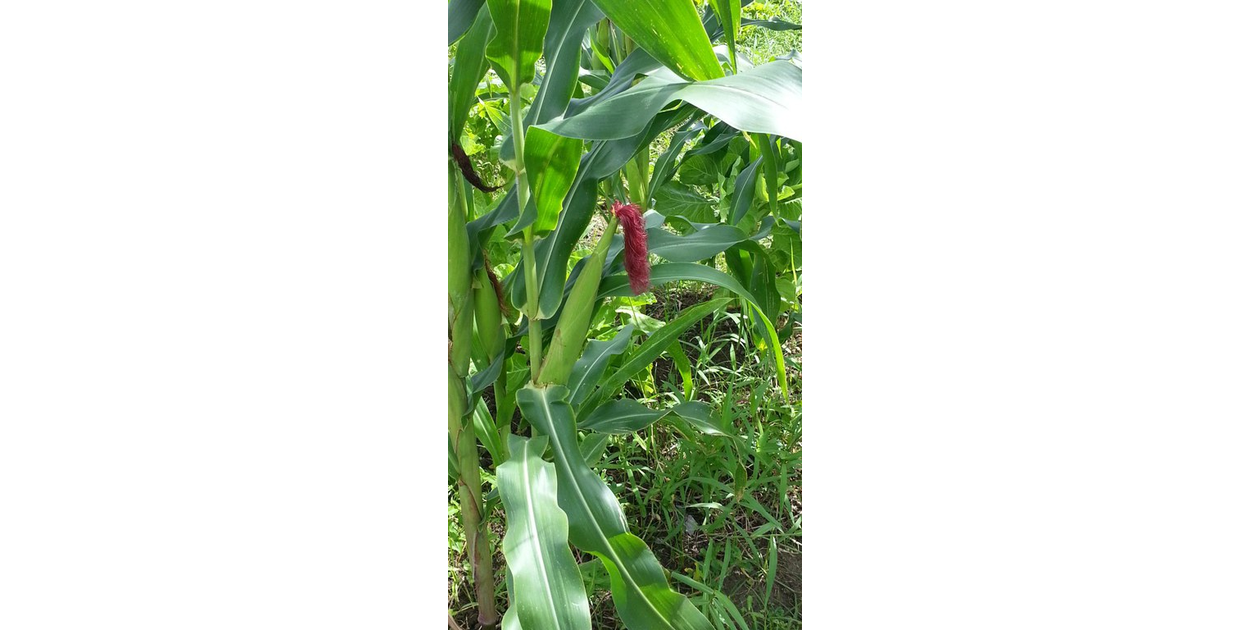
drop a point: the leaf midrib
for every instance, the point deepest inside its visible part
(581, 496)
(533, 523)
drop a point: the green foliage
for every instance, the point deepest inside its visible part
(649, 424)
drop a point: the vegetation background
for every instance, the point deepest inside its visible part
(726, 521)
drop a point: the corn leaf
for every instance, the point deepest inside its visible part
(552, 162)
(670, 30)
(547, 589)
(519, 29)
(643, 598)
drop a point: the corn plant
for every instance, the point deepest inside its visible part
(576, 141)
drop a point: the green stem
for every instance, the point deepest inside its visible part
(531, 269)
(531, 294)
(459, 420)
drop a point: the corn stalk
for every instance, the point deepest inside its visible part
(459, 417)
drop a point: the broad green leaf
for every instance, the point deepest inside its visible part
(623, 115)
(618, 285)
(561, 54)
(765, 99)
(699, 245)
(636, 63)
(640, 591)
(620, 417)
(699, 415)
(504, 211)
(729, 12)
(594, 360)
(470, 65)
(644, 322)
(547, 589)
(670, 30)
(460, 16)
(744, 192)
(699, 170)
(625, 416)
(552, 163)
(519, 29)
(677, 200)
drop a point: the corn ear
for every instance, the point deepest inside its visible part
(486, 311)
(570, 333)
(459, 283)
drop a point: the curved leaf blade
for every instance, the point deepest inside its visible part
(618, 285)
(460, 16)
(547, 589)
(765, 99)
(666, 164)
(670, 30)
(636, 63)
(729, 12)
(621, 417)
(470, 65)
(643, 598)
(552, 162)
(744, 191)
(562, 48)
(594, 360)
(699, 245)
(518, 42)
(655, 345)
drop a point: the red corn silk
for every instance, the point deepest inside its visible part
(636, 264)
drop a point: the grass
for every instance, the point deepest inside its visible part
(761, 45)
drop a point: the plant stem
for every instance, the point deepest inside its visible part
(531, 270)
(459, 419)
(531, 295)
